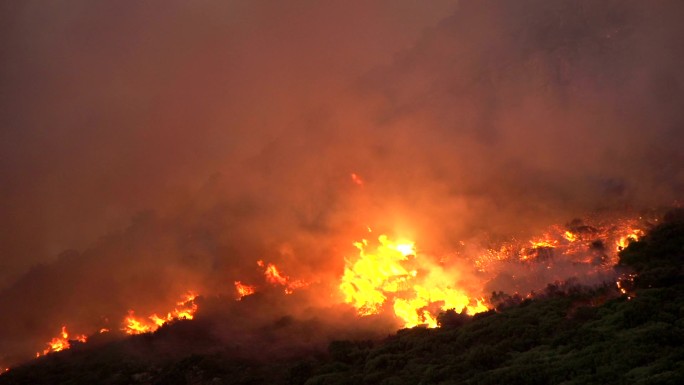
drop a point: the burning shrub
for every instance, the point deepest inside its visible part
(657, 258)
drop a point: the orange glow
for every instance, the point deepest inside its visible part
(185, 309)
(356, 179)
(385, 276)
(61, 342)
(244, 290)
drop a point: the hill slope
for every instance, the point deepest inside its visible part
(568, 334)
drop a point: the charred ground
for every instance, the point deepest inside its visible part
(568, 334)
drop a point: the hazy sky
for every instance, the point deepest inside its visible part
(113, 107)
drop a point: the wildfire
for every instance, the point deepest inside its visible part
(185, 309)
(632, 236)
(275, 277)
(243, 289)
(570, 236)
(61, 342)
(581, 243)
(393, 274)
(544, 242)
(137, 326)
(624, 283)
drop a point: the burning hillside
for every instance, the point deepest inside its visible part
(396, 279)
(276, 169)
(559, 307)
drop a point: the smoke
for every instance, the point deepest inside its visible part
(228, 132)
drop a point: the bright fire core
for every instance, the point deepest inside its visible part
(394, 275)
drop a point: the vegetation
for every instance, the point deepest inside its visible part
(566, 335)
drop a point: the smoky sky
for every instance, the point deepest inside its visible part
(172, 144)
(116, 107)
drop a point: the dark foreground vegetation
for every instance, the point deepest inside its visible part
(566, 335)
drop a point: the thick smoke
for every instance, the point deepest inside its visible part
(228, 132)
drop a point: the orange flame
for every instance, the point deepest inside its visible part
(632, 236)
(573, 245)
(185, 309)
(571, 237)
(244, 290)
(275, 277)
(61, 342)
(135, 325)
(385, 276)
(272, 274)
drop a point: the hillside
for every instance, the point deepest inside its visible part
(568, 334)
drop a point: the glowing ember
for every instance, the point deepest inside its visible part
(61, 342)
(624, 283)
(185, 309)
(244, 290)
(416, 294)
(356, 179)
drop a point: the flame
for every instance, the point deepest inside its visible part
(574, 245)
(569, 236)
(185, 309)
(385, 276)
(543, 242)
(632, 236)
(272, 274)
(624, 283)
(244, 290)
(394, 277)
(135, 325)
(275, 277)
(61, 342)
